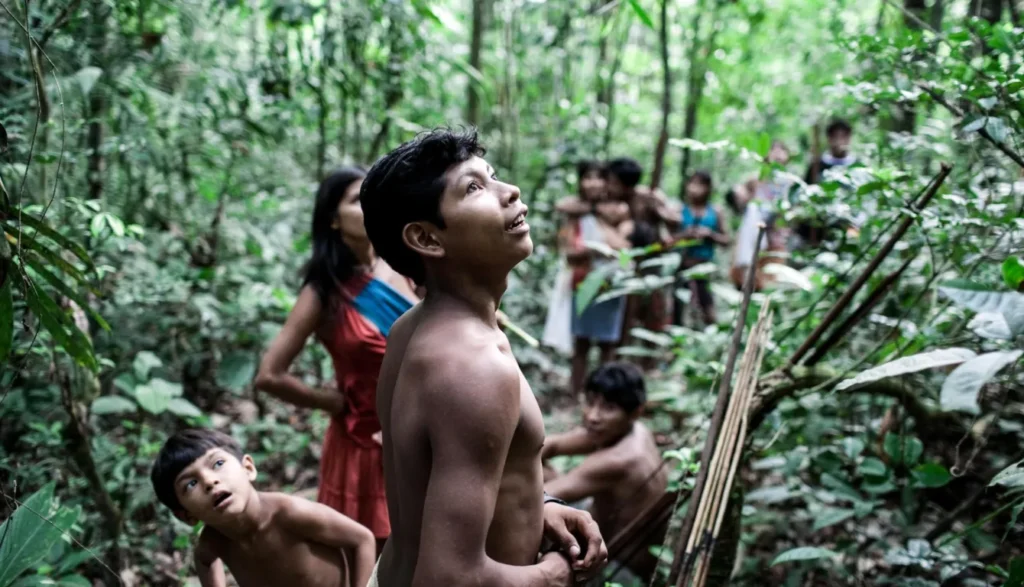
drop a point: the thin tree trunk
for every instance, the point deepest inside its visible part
(610, 89)
(913, 17)
(475, 48)
(42, 102)
(666, 100)
(695, 88)
(100, 14)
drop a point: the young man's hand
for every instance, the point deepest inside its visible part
(562, 525)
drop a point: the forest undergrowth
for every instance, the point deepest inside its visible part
(158, 165)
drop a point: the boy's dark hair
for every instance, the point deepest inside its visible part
(627, 170)
(702, 177)
(619, 383)
(838, 125)
(180, 451)
(587, 165)
(406, 186)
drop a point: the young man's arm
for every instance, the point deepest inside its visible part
(273, 376)
(475, 399)
(319, 523)
(595, 474)
(209, 567)
(574, 442)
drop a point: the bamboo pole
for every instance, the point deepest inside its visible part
(719, 413)
(729, 447)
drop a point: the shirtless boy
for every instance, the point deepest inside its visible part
(462, 430)
(622, 471)
(265, 539)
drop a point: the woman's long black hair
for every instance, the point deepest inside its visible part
(333, 262)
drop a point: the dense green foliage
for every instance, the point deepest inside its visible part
(158, 162)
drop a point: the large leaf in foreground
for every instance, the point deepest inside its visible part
(960, 390)
(31, 531)
(911, 364)
(1008, 303)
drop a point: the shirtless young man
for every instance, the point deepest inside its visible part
(462, 430)
(623, 470)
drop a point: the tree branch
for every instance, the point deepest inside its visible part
(1001, 145)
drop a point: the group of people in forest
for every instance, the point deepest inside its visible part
(435, 467)
(612, 212)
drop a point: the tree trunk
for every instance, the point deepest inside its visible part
(609, 89)
(694, 89)
(990, 10)
(100, 14)
(475, 48)
(666, 100)
(905, 114)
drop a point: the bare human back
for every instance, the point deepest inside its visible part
(462, 432)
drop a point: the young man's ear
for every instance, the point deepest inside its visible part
(249, 466)
(186, 517)
(422, 238)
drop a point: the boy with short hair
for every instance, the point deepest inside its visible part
(623, 470)
(265, 539)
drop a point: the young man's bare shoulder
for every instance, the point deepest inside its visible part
(445, 358)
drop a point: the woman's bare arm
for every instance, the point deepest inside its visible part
(273, 376)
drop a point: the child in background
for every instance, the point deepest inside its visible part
(701, 222)
(265, 539)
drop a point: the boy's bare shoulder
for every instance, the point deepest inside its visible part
(211, 545)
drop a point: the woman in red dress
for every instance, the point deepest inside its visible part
(349, 300)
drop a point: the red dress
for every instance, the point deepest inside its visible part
(352, 465)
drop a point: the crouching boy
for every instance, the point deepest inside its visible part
(264, 539)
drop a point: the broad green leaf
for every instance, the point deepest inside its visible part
(66, 243)
(642, 14)
(975, 125)
(6, 319)
(144, 364)
(56, 260)
(87, 77)
(31, 531)
(872, 467)
(803, 553)
(1015, 572)
(990, 325)
(701, 270)
(112, 404)
(786, 275)
(1013, 272)
(56, 322)
(831, 517)
(1008, 303)
(587, 290)
(893, 447)
(911, 364)
(912, 450)
(155, 397)
(960, 390)
(1012, 476)
(183, 408)
(38, 265)
(853, 446)
(236, 371)
(931, 475)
